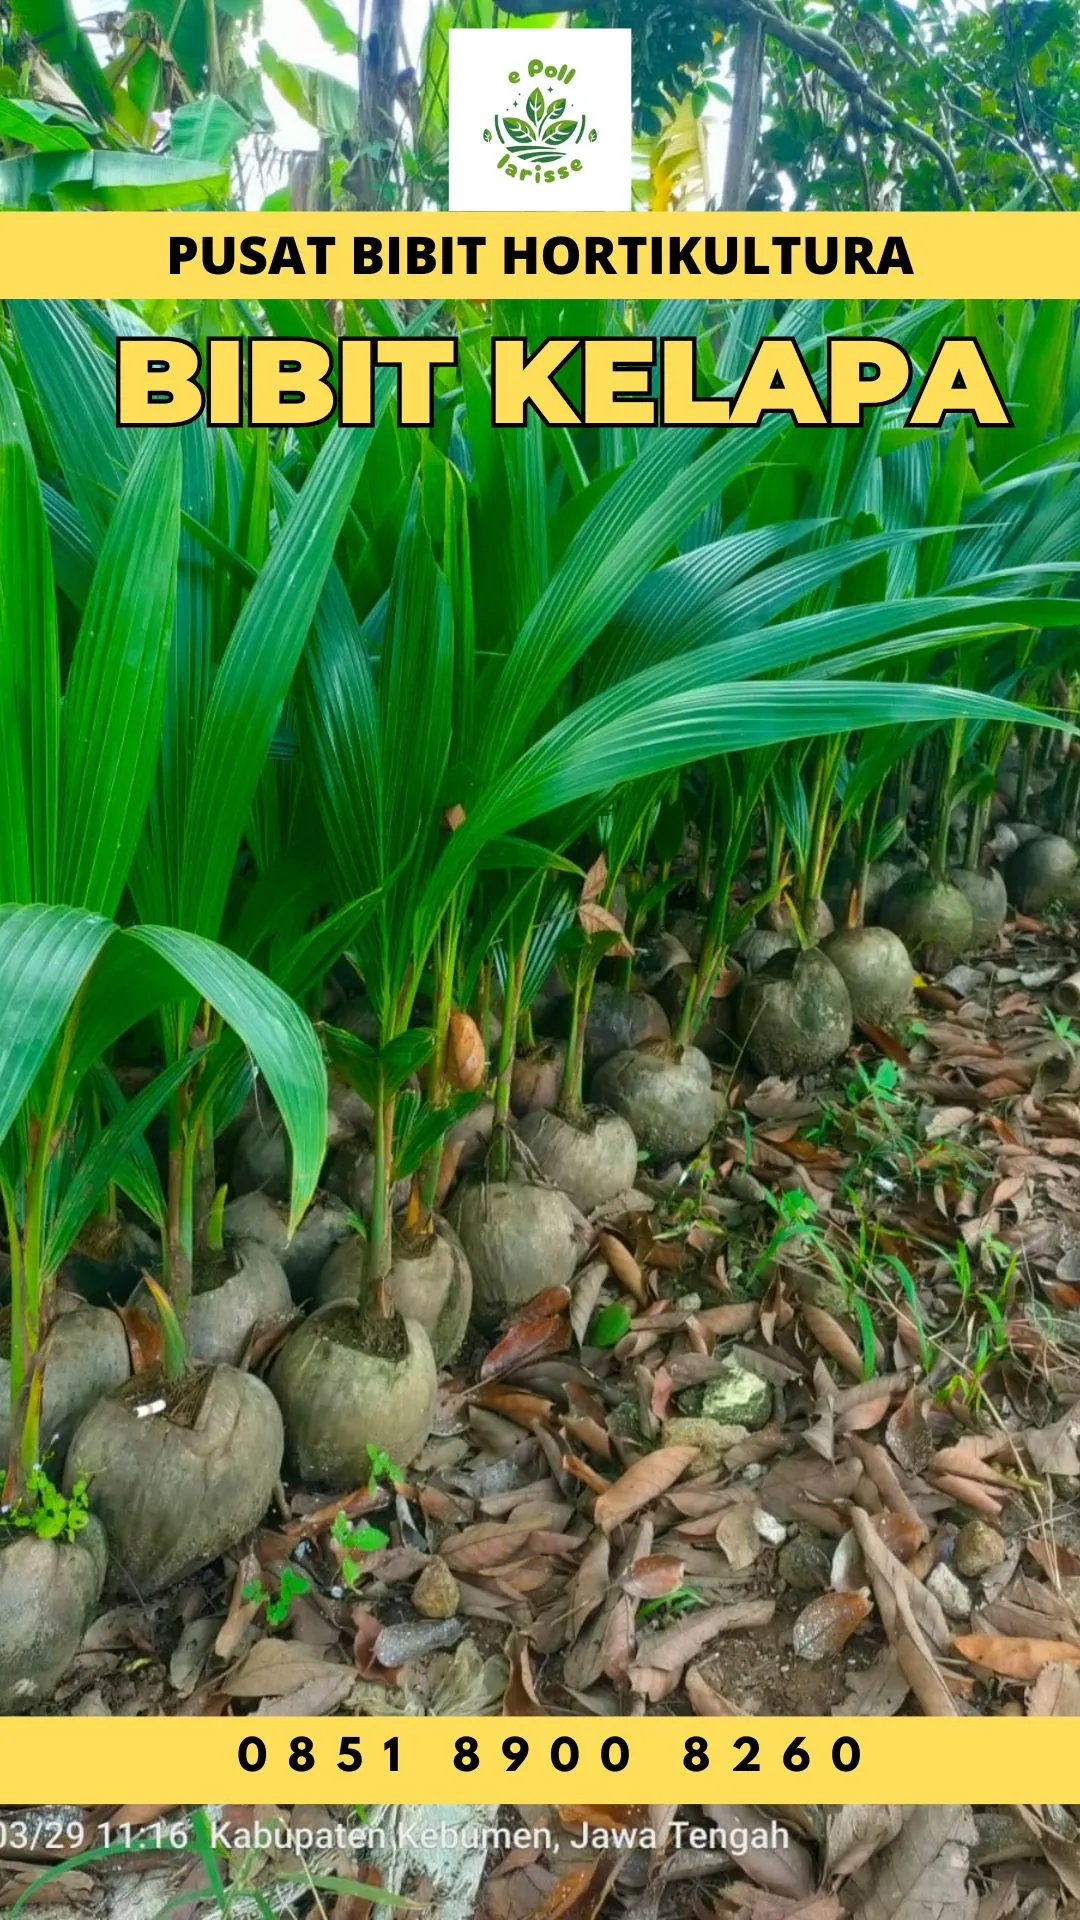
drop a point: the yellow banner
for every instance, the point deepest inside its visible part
(549, 257)
(583, 1761)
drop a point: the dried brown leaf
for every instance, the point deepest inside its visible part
(1013, 1657)
(1056, 1691)
(596, 879)
(855, 1834)
(526, 1341)
(923, 1873)
(623, 1265)
(786, 1870)
(826, 1624)
(907, 1435)
(1054, 1449)
(580, 1894)
(672, 1648)
(653, 1576)
(520, 1696)
(829, 1334)
(704, 1698)
(273, 1667)
(645, 1480)
(323, 1693)
(589, 1586)
(593, 918)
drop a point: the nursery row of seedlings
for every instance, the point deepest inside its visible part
(388, 873)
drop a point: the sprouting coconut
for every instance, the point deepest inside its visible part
(674, 975)
(757, 947)
(873, 962)
(355, 1373)
(107, 1259)
(429, 1281)
(592, 1158)
(520, 1237)
(180, 1463)
(520, 1233)
(350, 1176)
(234, 1290)
(877, 972)
(347, 1380)
(795, 1013)
(817, 922)
(1001, 842)
(715, 1034)
(619, 1017)
(591, 1155)
(690, 929)
(666, 1094)
(984, 890)
(931, 916)
(536, 1077)
(845, 871)
(255, 1216)
(348, 1117)
(881, 877)
(1039, 872)
(1022, 831)
(48, 1591)
(86, 1355)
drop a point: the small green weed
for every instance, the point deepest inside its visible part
(681, 1600)
(352, 1539)
(47, 1512)
(1062, 1028)
(797, 1218)
(382, 1467)
(984, 1304)
(291, 1586)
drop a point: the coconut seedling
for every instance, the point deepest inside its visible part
(929, 914)
(428, 1279)
(357, 1372)
(218, 701)
(977, 878)
(519, 1231)
(872, 960)
(659, 1094)
(181, 1460)
(79, 784)
(588, 1152)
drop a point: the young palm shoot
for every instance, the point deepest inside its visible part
(591, 1155)
(519, 1230)
(735, 785)
(931, 916)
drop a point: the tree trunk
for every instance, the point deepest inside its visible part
(745, 118)
(376, 128)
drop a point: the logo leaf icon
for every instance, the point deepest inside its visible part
(534, 106)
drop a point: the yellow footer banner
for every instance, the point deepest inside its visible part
(348, 256)
(662, 1759)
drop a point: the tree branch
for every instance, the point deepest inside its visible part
(744, 130)
(822, 51)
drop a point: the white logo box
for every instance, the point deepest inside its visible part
(540, 121)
